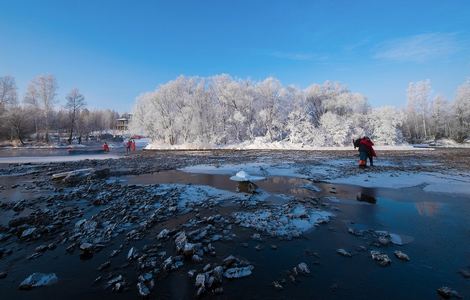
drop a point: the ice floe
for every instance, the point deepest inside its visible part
(434, 182)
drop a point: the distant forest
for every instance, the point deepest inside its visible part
(38, 113)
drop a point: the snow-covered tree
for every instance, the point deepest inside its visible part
(385, 123)
(462, 111)
(418, 94)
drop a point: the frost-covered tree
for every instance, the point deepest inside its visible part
(221, 110)
(18, 120)
(418, 95)
(41, 94)
(385, 123)
(462, 112)
(337, 129)
(440, 118)
(8, 94)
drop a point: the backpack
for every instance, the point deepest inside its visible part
(356, 143)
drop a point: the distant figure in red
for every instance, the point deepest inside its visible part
(365, 151)
(133, 146)
(128, 146)
(105, 147)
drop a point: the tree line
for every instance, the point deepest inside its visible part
(39, 112)
(222, 110)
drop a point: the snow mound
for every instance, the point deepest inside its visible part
(244, 176)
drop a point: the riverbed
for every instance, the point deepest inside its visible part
(186, 191)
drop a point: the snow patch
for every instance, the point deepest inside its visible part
(284, 221)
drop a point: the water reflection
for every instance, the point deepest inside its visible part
(367, 196)
(427, 208)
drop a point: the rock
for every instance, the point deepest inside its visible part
(230, 260)
(238, 272)
(115, 280)
(86, 250)
(143, 289)
(37, 280)
(277, 285)
(41, 248)
(86, 247)
(219, 290)
(447, 293)
(381, 258)
(131, 254)
(28, 233)
(256, 236)
(114, 253)
(180, 241)
(79, 223)
(34, 255)
(200, 280)
(146, 277)
(303, 268)
(196, 258)
(206, 268)
(3, 275)
(191, 273)
(163, 234)
(274, 247)
(201, 291)
(188, 249)
(465, 273)
(343, 252)
(210, 281)
(401, 255)
(97, 279)
(104, 265)
(218, 273)
(383, 240)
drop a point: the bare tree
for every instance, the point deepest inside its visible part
(46, 86)
(75, 102)
(18, 119)
(7, 92)
(31, 99)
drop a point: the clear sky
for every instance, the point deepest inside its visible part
(115, 50)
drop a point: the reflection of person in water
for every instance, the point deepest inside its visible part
(367, 195)
(247, 187)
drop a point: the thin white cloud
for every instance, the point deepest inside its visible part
(298, 56)
(418, 48)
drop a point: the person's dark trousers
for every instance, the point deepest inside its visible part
(371, 160)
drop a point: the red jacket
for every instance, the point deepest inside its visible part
(368, 144)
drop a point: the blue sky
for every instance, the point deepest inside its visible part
(115, 50)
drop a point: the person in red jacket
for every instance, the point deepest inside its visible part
(105, 147)
(368, 144)
(128, 146)
(133, 146)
